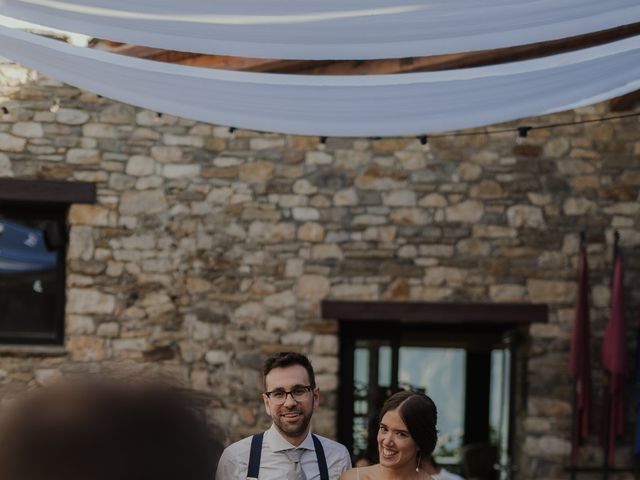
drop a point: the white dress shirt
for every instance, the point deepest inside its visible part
(274, 464)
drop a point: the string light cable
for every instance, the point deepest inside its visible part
(521, 132)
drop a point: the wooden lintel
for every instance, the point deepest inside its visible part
(436, 313)
(46, 191)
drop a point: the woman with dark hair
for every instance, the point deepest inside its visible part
(407, 436)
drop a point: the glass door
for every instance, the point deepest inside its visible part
(440, 373)
(372, 385)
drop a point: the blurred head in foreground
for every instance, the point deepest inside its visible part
(107, 431)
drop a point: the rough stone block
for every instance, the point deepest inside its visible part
(217, 357)
(6, 169)
(95, 215)
(345, 198)
(551, 291)
(27, 129)
(81, 244)
(80, 325)
(256, 172)
(263, 143)
(325, 345)
(469, 211)
(83, 301)
(469, 171)
(180, 171)
(305, 214)
(433, 200)
(313, 287)
(579, 206)
(311, 232)
(10, 143)
(100, 130)
(525, 216)
(326, 251)
(182, 140)
(140, 165)
(72, 116)
(280, 300)
(399, 198)
(83, 348)
(146, 202)
(507, 293)
(355, 292)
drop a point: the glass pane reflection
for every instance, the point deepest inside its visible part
(440, 373)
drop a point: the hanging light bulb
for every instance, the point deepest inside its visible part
(522, 134)
(55, 106)
(424, 141)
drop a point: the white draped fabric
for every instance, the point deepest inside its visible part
(327, 29)
(374, 105)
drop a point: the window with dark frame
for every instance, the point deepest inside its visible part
(33, 245)
(32, 274)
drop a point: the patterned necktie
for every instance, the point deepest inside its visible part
(295, 470)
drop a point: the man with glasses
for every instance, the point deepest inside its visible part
(288, 450)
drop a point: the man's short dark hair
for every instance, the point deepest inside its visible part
(288, 359)
(108, 431)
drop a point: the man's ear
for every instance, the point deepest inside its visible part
(316, 397)
(265, 399)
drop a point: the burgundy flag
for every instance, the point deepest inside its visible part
(579, 362)
(614, 358)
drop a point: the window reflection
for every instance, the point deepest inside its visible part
(31, 277)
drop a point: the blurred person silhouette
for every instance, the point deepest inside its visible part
(108, 430)
(361, 460)
(438, 472)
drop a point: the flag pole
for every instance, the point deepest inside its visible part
(575, 430)
(606, 421)
(637, 399)
(605, 429)
(576, 425)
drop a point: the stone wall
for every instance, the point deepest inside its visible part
(208, 249)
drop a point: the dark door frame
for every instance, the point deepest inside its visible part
(463, 324)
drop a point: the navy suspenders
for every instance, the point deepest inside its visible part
(256, 451)
(322, 460)
(254, 456)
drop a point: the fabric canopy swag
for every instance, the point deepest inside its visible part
(343, 106)
(327, 29)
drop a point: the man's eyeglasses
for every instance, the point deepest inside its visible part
(298, 393)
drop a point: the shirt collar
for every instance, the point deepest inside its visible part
(277, 443)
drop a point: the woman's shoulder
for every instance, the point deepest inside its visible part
(361, 473)
(351, 474)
